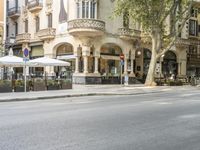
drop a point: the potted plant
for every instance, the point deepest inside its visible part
(39, 85)
(66, 84)
(5, 86)
(53, 85)
(19, 86)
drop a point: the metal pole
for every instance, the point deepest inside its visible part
(121, 73)
(25, 77)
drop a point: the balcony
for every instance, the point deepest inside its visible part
(35, 6)
(128, 34)
(23, 38)
(47, 34)
(86, 27)
(14, 12)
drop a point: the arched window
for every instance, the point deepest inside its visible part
(86, 9)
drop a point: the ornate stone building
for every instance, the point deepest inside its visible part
(83, 33)
(1, 23)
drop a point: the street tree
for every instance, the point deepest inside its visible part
(153, 16)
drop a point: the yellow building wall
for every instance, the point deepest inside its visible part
(1, 10)
(1, 20)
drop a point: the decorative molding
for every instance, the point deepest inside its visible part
(47, 34)
(24, 13)
(23, 38)
(49, 8)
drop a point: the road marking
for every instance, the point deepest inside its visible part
(164, 103)
(190, 116)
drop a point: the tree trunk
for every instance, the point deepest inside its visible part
(156, 45)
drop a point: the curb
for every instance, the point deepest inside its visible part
(74, 95)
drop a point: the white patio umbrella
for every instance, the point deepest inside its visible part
(45, 61)
(11, 61)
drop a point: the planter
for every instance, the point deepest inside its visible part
(5, 86)
(53, 87)
(21, 89)
(66, 86)
(39, 85)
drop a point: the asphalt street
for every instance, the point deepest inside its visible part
(158, 121)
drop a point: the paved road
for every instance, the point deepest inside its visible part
(162, 121)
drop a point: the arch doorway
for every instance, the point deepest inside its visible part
(110, 63)
(169, 65)
(65, 52)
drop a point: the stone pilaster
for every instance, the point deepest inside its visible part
(96, 65)
(86, 54)
(77, 64)
(126, 64)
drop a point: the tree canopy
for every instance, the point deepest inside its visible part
(163, 20)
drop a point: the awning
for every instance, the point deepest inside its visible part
(66, 57)
(45, 61)
(110, 57)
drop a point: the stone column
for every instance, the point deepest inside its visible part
(96, 54)
(86, 53)
(126, 56)
(125, 66)
(85, 69)
(96, 65)
(77, 64)
(132, 61)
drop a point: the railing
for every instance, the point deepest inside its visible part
(129, 32)
(13, 11)
(34, 3)
(86, 24)
(47, 33)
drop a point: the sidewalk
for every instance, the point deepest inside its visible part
(83, 90)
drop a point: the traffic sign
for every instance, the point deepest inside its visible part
(25, 59)
(26, 52)
(122, 62)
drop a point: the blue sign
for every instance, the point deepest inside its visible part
(25, 59)
(122, 62)
(26, 52)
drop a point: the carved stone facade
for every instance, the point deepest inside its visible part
(81, 32)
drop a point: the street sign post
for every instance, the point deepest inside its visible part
(121, 56)
(25, 59)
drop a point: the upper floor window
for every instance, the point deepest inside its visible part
(26, 2)
(26, 26)
(7, 30)
(194, 12)
(193, 27)
(87, 9)
(16, 28)
(50, 20)
(37, 24)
